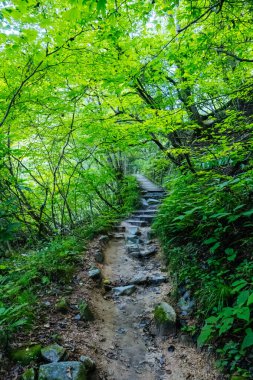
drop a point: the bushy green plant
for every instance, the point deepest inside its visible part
(205, 225)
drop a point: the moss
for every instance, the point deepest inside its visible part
(29, 374)
(160, 315)
(26, 355)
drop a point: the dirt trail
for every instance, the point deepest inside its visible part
(122, 339)
(129, 349)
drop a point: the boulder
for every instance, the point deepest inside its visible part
(29, 374)
(53, 353)
(95, 273)
(26, 355)
(63, 371)
(124, 290)
(99, 256)
(165, 318)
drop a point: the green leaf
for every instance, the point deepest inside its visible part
(214, 247)
(210, 241)
(248, 213)
(226, 325)
(250, 300)
(242, 298)
(248, 340)
(243, 313)
(205, 335)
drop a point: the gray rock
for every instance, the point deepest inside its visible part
(99, 256)
(103, 239)
(165, 318)
(87, 362)
(157, 279)
(149, 251)
(133, 250)
(95, 273)
(124, 290)
(63, 371)
(53, 353)
(142, 279)
(139, 279)
(186, 305)
(132, 239)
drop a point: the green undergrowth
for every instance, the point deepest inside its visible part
(205, 226)
(30, 273)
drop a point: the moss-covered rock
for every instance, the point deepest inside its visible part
(85, 311)
(26, 355)
(165, 318)
(53, 353)
(87, 362)
(62, 305)
(63, 371)
(29, 374)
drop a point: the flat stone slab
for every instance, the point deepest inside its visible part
(124, 290)
(63, 371)
(143, 279)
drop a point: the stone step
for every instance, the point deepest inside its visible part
(153, 207)
(153, 195)
(119, 229)
(146, 218)
(138, 223)
(145, 211)
(118, 235)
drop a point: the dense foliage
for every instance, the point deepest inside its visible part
(90, 90)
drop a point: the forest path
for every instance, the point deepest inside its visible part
(122, 339)
(129, 348)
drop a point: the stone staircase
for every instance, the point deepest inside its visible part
(151, 197)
